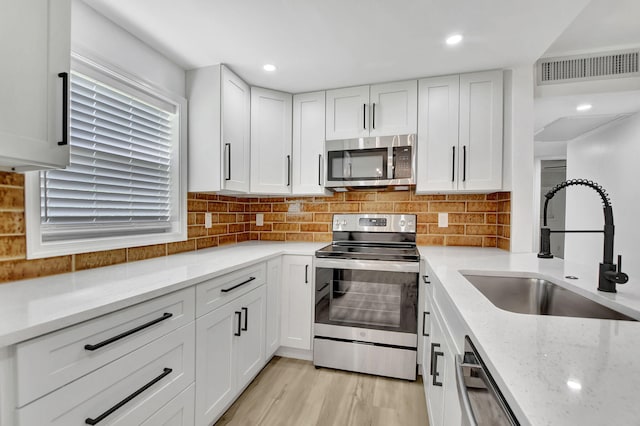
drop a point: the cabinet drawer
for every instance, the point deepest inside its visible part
(218, 291)
(125, 392)
(178, 412)
(53, 360)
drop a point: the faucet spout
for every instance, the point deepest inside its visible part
(609, 274)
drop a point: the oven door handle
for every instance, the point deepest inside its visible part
(370, 265)
(468, 418)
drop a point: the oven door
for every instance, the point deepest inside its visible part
(373, 295)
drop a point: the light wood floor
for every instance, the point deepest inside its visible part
(294, 392)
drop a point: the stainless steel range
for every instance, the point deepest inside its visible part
(366, 296)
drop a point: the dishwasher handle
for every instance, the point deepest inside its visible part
(468, 418)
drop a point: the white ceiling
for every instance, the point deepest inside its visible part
(319, 44)
(602, 25)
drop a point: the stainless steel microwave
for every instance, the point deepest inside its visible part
(370, 162)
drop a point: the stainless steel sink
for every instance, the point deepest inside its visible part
(539, 297)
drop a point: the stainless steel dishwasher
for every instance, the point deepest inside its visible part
(481, 401)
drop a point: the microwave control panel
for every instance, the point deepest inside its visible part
(402, 162)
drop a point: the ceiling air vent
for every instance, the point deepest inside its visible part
(598, 66)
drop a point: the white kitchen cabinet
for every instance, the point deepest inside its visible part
(35, 42)
(393, 108)
(347, 113)
(219, 130)
(272, 331)
(308, 144)
(377, 110)
(230, 352)
(297, 301)
(270, 142)
(460, 133)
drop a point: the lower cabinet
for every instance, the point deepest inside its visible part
(297, 301)
(178, 412)
(230, 351)
(438, 366)
(272, 332)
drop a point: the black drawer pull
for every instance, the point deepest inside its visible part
(306, 274)
(226, 290)
(323, 287)
(119, 405)
(424, 321)
(239, 332)
(164, 316)
(65, 108)
(435, 381)
(246, 319)
(424, 278)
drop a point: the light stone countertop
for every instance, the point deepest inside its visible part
(533, 358)
(29, 308)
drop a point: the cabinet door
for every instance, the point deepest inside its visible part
(272, 332)
(452, 414)
(205, 164)
(480, 166)
(249, 351)
(308, 143)
(394, 108)
(236, 101)
(348, 113)
(215, 361)
(297, 285)
(270, 141)
(35, 40)
(436, 367)
(438, 134)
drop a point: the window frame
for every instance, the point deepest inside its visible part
(120, 80)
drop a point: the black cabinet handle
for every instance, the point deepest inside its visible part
(424, 278)
(306, 274)
(65, 108)
(435, 381)
(364, 116)
(227, 148)
(120, 404)
(320, 169)
(433, 346)
(239, 332)
(164, 316)
(453, 165)
(373, 115)
(464, 163)
(424, 321)
(246, 319)
(288, 170)
(323, 287)
(226, 290)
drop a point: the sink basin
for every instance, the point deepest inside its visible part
(539, 297)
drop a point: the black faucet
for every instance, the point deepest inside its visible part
(610, 274)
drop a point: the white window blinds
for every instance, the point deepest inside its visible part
(119, 178)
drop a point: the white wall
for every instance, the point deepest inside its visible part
(96, 37)
(609, 157)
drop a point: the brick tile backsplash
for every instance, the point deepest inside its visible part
(479, 220)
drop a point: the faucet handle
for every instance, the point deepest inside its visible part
(620, 277)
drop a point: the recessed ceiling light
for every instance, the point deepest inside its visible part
(583, 107)
(574, 384)
(454, 39)
(269, 67)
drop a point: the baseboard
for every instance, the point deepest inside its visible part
(286, 352)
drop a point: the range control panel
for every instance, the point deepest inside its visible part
(374, 222)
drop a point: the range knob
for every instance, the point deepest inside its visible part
(344, 222)
(402, 222)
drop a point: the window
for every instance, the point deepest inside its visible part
(126, 181)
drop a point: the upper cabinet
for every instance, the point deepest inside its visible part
(34, 86)
(460, 133)
(219, 129)
(377, 110)
(271, 161)
(308, 144)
